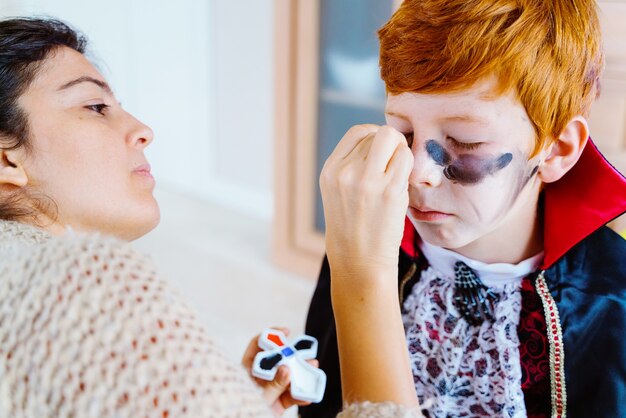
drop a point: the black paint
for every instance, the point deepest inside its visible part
(437, 152)
(467, 168)
(534, 171)
(529, 178)
(303, 345)
(269, 362)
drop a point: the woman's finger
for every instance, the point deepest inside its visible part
(382, 150)
(314, 362)
(399, 168)
(350, 140)
(284, 330)
(362, 149)
(287, 401)
(273, 390)
(251, 351)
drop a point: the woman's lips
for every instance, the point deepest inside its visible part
(143, 170)
(427, 215)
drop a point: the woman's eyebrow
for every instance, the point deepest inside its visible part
(86, 79)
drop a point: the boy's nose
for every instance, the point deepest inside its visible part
(426, 172)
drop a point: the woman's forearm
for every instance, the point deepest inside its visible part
(372, 347)
(364, 185)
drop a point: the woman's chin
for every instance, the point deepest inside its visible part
(144, 221)
(150, 222)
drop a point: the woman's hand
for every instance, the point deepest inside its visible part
(276, 392)
(364, 186)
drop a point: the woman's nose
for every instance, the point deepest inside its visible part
(141, 135)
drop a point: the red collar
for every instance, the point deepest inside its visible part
(589, 196)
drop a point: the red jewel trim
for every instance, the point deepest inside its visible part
(555, 338)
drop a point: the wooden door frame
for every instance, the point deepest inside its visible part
(297, 245)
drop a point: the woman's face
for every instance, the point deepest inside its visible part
(87, 152)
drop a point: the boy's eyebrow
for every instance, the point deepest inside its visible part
(465, 118)
(86, 79)
(452, 118)
(397, 115)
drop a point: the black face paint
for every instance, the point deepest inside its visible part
(526, 174)
(467, 168)
(528, 178)
(438, 153)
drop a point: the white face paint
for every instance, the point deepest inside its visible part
(473, 188)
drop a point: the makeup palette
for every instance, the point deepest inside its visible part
(307, 382)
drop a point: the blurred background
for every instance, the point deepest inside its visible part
(247, 98)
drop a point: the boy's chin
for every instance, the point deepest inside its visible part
(441, 236)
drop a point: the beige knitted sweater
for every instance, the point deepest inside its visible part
(88, 329)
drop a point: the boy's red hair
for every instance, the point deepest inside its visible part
(547, 51)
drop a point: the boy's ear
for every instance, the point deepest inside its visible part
(12, 172)
(563, 153)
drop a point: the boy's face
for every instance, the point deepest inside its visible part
(473, 182)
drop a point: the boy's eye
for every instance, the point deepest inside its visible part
(409, 138)
(98, 108)
(465, 145)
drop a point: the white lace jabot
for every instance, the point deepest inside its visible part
(492, 275)
(460, 369)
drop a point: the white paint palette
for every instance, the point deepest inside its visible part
(307, 382)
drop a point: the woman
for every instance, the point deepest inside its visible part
(87, 327)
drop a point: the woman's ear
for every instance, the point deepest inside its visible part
(563, 153)
(12, 172)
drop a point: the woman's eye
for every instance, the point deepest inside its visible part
(98, 108)
(409, 138)
(465, 145)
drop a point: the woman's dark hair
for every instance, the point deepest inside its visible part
(25, 43)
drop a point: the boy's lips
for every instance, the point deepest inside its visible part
(426, 214)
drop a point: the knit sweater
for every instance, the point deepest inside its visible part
(89, 329)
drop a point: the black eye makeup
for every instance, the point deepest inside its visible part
(466, 169)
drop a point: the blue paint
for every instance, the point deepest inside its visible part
(438, 153)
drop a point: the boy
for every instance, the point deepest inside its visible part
(513, 290)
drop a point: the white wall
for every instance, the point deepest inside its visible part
(9, 7)
(200, 74)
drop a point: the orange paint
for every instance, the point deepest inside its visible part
(275, 339)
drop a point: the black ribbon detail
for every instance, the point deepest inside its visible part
(472, 298)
